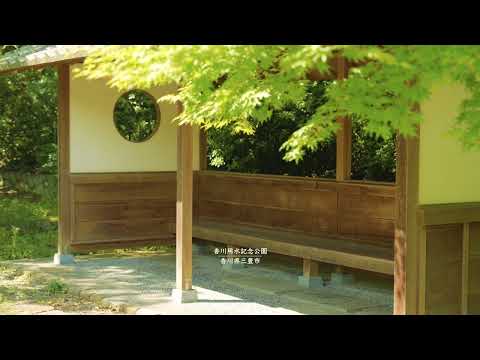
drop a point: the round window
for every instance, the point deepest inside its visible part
(136, 116)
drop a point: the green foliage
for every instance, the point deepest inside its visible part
(372, 158)
(28, 216)
(136, 116)
(56, 287)
(241, 86)
(259, 153)
(28, 115)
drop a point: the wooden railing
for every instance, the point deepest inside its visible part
(133, 207)
(362, 211)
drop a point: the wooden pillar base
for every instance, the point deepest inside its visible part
(184, 296)
(314, 274)
(312, 282)
(63, 259)
(341, 277)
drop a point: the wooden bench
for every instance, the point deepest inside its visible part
(335, 251)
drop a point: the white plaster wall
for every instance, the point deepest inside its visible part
(97, 147)
(448, 173)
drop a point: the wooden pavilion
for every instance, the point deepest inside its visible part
(424, 230)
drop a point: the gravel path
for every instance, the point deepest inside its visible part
(143, 285)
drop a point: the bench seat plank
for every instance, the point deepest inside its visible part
(323, 249)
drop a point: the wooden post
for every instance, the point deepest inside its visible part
(406, 242)
(63, 136)
(344, 135)
(465, 267)
(310, 277)
(203, 153)
(310, 268)
(184, 293)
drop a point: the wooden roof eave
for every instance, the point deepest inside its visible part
(27, 67)
(40, 56)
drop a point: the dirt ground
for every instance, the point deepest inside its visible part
(31, 293)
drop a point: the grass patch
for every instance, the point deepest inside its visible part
(28, 217)
(56, 287)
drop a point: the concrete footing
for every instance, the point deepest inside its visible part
(311, 282)
(342, 279)
(63, 259)
(184, 296)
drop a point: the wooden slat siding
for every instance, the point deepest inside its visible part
(125, 208)
(63, 133)
(366, 211)
(119, 192)
(122, 230)
(263, 201)
(134, 209)
(443, 277)
(451, 249)
(474, 269)
(465, 267)
(300, 204)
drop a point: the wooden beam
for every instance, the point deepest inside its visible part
(443, 214)
(63, 134)
(406, 244)
(184, 207)
(344, 135)
(52, 64)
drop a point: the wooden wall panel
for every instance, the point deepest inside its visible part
(358, 210)
(366, 210)
(449, 258)
(474, 270)
(124, 208)
(443, 274)
(123, 230)
(105, 206)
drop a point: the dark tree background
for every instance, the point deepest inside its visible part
(28, 118)
(372, 158)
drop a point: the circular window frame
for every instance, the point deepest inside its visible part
(157, 112)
